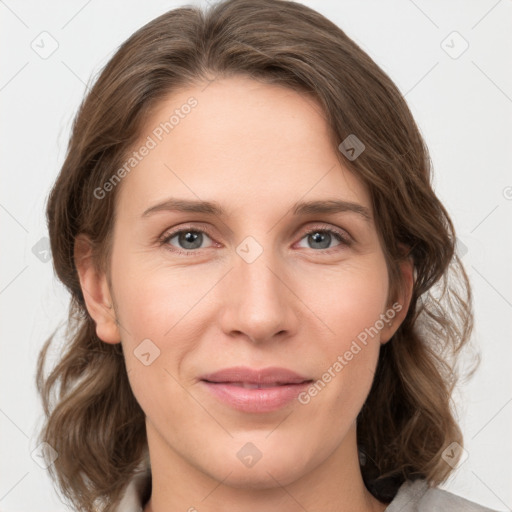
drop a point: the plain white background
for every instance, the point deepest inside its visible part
(462, 101)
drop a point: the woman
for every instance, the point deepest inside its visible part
(266, 302)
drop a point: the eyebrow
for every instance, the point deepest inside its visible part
(326, 206)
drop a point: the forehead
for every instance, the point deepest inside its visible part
(240, 142)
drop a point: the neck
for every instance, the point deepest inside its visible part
(334, 485)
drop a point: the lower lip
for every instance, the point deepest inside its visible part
(257, 399)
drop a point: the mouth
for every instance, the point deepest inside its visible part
(252, 385)
(255, 391)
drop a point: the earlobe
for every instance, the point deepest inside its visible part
(401, 305)
(96, 292)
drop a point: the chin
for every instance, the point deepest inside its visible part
(261, 477)
(277, 466)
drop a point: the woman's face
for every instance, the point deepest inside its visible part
(246, 287)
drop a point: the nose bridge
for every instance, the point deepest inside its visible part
(258, 301)
(256, 267)
(258, 275)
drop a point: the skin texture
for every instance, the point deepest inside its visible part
(256, 149)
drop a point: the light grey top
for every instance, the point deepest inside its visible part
(418, 497)
(411, 497)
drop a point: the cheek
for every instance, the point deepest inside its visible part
(151, 300)
(350, 304)
(349, 298)
(155, 308)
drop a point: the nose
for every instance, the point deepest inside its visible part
(259, 303)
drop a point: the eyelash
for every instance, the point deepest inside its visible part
(339, 235)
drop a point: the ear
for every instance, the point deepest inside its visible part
(96, 291)
(397, 310)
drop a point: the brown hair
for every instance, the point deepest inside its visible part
(93, 420)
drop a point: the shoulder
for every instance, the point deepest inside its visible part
(417, 496)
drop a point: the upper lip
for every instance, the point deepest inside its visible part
(270, 375)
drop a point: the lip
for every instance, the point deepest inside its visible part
(252, 390)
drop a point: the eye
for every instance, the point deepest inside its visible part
(190, 239)
(186, 240)
(321, 238)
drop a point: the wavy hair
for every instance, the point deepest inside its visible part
(92, 418)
